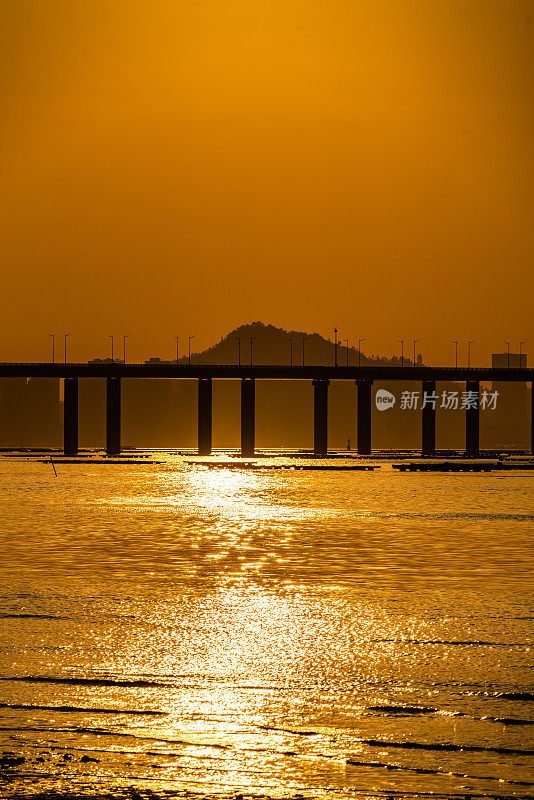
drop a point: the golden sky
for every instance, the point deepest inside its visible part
(181, 167)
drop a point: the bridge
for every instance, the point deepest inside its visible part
(320, 377)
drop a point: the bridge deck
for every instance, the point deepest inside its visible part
(229, 371)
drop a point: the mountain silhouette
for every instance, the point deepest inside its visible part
(272, 345)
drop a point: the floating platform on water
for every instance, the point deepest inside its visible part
(107, 461)
(463, 466)
(251, 465)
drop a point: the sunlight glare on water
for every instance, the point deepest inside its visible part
(266, 631)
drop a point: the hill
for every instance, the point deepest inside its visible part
(266, 344)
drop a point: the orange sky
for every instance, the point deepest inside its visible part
(180, 167)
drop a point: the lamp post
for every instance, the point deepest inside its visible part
(53, 346)
(414, 343)
(189, 340)
(335, 347)
(347, 345)
(521, 353)
(508, 354)
(177, 342)
(251, 340)
(359, 351)
(455, 343)
(402, 351)
(125, 336)
(110, 336)
(290, 351)
(238, 340)
(66, 335)
(304, 339)
(469, 343)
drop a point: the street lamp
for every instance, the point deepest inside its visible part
(125, 336)
(110, 336)
(508, 354)
(469, 343)
(189, 339)
(414, 343)
(304, 339)
(347, 344)
(455, 343)
(290, 351)
(335, 347)
(238, 340)
(251, 340)
(53, 345)
(521, 354)
(402, 351)
(359, 351)
(66, 335)
(177, 341)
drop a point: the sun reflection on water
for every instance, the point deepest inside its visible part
(254, 677)
(258, 629)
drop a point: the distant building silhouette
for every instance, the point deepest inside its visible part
(30, 412)
(513, 360)
(509, 425)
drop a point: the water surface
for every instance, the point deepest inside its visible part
(273, 632)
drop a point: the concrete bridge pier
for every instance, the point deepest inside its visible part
(248, 416)
(113, 416)
(428, 437)
(204, 416)
(472, 418)
(364, 417)
(320, 416)
(70, 417)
